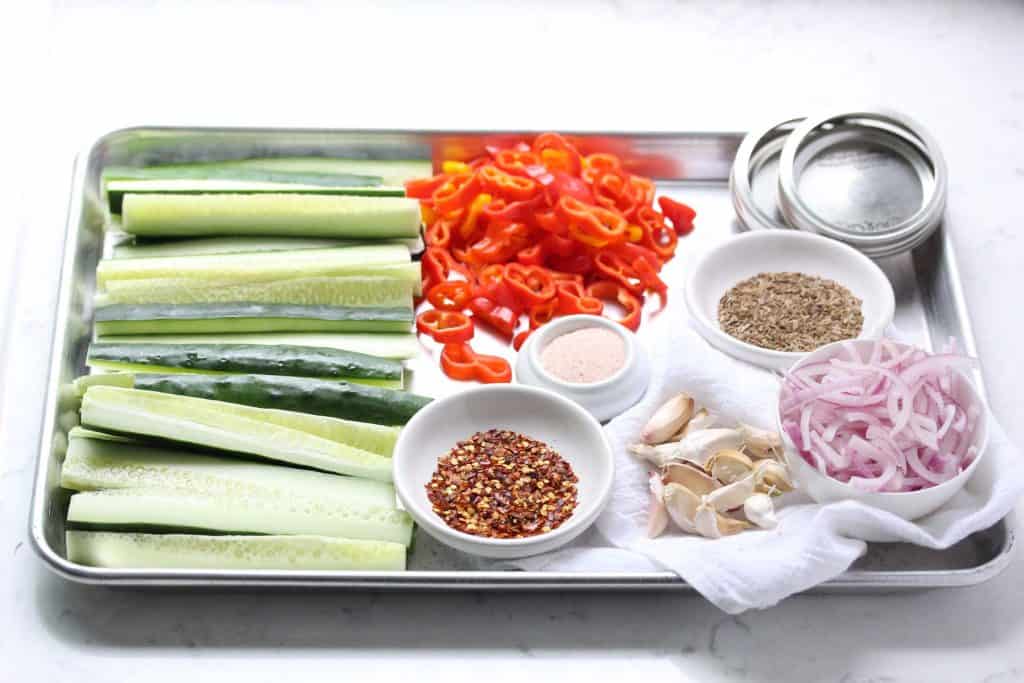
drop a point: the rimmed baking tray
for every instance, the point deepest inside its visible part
(690, 166)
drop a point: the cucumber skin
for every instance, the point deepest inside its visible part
(294, 361)
(247, 317)
(391, 346)
(329, 398)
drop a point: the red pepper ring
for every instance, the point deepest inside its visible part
(423, 188)
(531, 285)
(445, 327)
(501, 319)
(658, 237)
(520, 339)
(543, 313)
(457, 193)
(573, 300)
(452, 295)
(565, 153)
(507, 186)
(616, 268)
(460, 362)
(680, 215)
(613, 291)
(651, 281)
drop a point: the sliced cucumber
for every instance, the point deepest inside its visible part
(327, 398)
(394, 346)
(390, 171)
(216, 425)
(162, 248)
(356, 292)
(245, 317)
(189, 551)
(271, 214)
(117, 190)
(366, 436)
(99, 463)
(147, 510)
(113, 174)
(294, 361)
(365, 260)
(80, 432)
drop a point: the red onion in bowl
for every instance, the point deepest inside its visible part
(888, 420)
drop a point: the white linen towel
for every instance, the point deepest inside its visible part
(812, 543)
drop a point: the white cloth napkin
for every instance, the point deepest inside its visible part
(812, 543)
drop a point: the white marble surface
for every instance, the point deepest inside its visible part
(77, 69)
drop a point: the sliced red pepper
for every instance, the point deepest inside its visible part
(531, 256)
(651, 281)
(613, 291)
(641, 189)
(592, 225)
(423, 188)
(461, 362)
(499, 245)
(516, 161)
(452, 295)
(531, 285)
(515, 212)
(509, 187)
(501, 319)
(573, 299)
(439, 234)
(579, 263)
(567, 185)
(445, 327)
(457, 193)
(549, 221)
(542, 313)
(596, 164)
(680, 215)
(612, 192)
(630, 252)
(614, 267)
(490, 283)
(520, 339)
(657, 236)
(560, 153)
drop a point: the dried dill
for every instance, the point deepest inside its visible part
(790, 312)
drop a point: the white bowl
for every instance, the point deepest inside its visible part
(773, 251)
(568, 429)
(605, 399)
(909, 505)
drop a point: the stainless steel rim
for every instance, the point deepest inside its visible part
(905, 235)
(754, 144)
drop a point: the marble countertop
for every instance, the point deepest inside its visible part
(83, 68)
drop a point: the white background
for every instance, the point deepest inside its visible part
(71, 71)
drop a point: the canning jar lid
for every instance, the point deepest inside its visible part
(874, 179)
(754, 176)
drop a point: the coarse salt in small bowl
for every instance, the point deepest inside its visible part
(908, 505)
(604, 399)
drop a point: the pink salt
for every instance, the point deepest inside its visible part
(584, 356)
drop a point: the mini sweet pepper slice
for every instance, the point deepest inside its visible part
(531, 285)
(445, 327)
(613, 291)
(460, 362)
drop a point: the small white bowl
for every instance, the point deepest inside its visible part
(572, 432)
(909, 505)
(774, 251)
(605, 399)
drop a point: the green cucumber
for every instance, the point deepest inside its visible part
(162, 248)
(389, 171)
(247, 317)
(394, 346)
(220, 426)
(327, 398)
(295, 361)
(356, 292)
(98, 463)
(148, 510)
(364, 260)
(271, 214)
(80, 432)
(189, 551)
(113, 174)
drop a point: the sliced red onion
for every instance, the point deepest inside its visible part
(887, 423)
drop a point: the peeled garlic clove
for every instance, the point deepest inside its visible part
(701, 419)
(681, 504)
(697, 448)
(771, 476)
(761, 442)
(657, 515)
(668, 419)
(710, 524)
(733, 495)
(729, 466)
(689, 476)
(657, 455)
(760, 510)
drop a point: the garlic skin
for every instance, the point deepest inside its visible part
(762, 443)
(772, 477)
(681, 504)
(760, 510)
(657, 515)
(668, 419)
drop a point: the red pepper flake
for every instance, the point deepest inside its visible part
(500, 484)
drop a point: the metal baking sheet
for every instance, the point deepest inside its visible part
(689, 166)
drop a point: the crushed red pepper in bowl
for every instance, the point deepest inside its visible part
(500, 484)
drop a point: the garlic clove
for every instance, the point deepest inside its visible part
(733, 495)
(689, 476)
(729, 466)
(681, 504)
(772, 477)
(710, 524)
(657, 515)
(762, 443)
(668, 419)
(760, 510)
(701, 419)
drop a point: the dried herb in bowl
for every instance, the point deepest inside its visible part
(790, 312)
